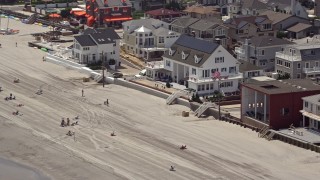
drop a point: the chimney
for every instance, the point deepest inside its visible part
(293, 5)
(317, 8)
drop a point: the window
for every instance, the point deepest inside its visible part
(223, 69)
(267, 26)
(207, 87)
(114, 52)
(298, 66)
(226, 84)
(306, 104)
(202, 87)
(284, 111)
(194, 71)
(94, 57)
(316, 64)
(183, 55)
(114, 44)
(262, 52)
(211, 88)
(219, 60)
(168, 63)
(161, 39)
(307, 65)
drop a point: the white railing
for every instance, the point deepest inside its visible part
(287, 57)
(155, 65)
(208, 79)
(311, 70)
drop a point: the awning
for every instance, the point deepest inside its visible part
(310, 115)
(79, 13)
(118, 19)
(54, 15)
(90, 20)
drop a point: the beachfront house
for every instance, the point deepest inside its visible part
(147, 38)
(275, 103)
(200, 65)
(96, 45)
(311, 112)
(299, 61)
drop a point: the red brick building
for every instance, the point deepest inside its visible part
(276, 102)
(107, 12)
(163, 14)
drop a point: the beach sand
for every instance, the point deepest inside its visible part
(148, 132)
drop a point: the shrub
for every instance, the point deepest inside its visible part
(168, 85)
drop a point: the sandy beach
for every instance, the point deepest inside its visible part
(148, 132)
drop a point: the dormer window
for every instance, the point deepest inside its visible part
(196, 60)
(170, 52)
(183, 55)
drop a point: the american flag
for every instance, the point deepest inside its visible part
(216, 75)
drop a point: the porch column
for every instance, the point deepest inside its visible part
(184, 74)
(255, 104)
(265, 108)
(177, 73)
(303, 121)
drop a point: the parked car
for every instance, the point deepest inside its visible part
(117, 75)
(141, 73)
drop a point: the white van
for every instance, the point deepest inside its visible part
(141, 73)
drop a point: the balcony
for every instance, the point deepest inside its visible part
(311, 70)
(239, 50)
(287, 57)
(209, 79)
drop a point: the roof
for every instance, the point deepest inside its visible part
(281, 4)
(276, 17)
(149, 23)
(282, 86)
(204, 25)
(142, 29)
(197, 44)
(163, 32)
(162, 11)
(184, 21)
(241, 21)
(265, 41)
(254, 4)
(102, 35)
(114, 3)
(315, 99)
(299, 27)
(191, 46)
(85, 40)
(202, 9)
(247, 66)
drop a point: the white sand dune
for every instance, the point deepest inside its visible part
(148, 132)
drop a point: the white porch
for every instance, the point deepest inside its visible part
(311, 119)
(255, 104)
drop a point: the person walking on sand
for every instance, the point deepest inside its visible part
(82, 93)
(16, 44)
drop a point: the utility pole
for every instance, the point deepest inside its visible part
(103, 68)
(219, 101)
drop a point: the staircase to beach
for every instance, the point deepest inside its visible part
(32, 19)
(201, 109)
(175, 95)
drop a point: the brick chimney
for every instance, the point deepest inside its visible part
(317, 8)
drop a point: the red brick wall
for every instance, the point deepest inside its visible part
(292, 101)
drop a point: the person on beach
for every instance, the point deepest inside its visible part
(16, 44)
(82, 93)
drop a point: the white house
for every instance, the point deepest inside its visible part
(192, 62)
(96, 45)
(147, 38)
(311, 112)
